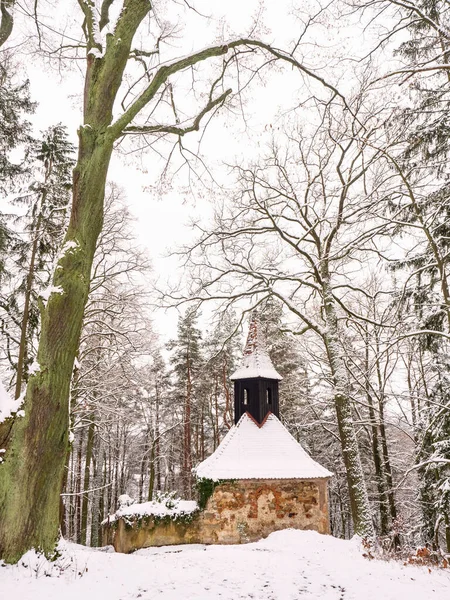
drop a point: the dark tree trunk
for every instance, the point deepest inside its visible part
(86, 481)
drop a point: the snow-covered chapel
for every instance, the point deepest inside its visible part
(266, 479)
(257, 481)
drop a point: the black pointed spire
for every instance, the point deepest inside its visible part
(256, 379)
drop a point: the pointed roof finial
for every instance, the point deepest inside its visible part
(256, 361)
(255, 337)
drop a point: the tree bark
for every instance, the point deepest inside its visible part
(359, 501)
(29, 506)
(86, 480)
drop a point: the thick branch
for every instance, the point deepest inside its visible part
(175, 129)
(104, 13)
(7, 21)
(162, 74)
(166, 70)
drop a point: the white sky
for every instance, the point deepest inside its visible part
(162, 221)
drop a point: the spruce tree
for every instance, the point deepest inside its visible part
(187, 365)
(46, 200)
(423, 207)
(15, 135)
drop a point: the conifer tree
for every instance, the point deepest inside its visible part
(46, 199)
(187, 365)
(15, 133)
(222, 349)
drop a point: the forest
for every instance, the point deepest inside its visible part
(310, 141)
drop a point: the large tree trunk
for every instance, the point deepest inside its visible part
(31, 476)
(29, 506)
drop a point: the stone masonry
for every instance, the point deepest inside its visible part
(249, 510)
(237, 512)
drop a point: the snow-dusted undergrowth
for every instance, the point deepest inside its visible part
(165, 506)
(67, 563)
(289, 565)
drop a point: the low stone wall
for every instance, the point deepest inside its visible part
(237, 512)
(148, 532)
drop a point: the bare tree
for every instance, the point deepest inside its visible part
(302, 225)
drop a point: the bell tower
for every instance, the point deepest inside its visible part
(255, 380)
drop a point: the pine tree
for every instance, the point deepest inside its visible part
(15, 134)
(285, 355)
(222, 348)
(423, 207)
(434, 456)
(187, 364)
(15, 130)
(427, 122)
(46, 199)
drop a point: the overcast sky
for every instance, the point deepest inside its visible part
(162, 221)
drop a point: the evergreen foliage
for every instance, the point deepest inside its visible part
(15, 140)
(44, 203)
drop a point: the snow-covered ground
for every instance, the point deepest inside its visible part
(286, 566)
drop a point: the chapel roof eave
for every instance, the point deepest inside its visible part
(244, 372)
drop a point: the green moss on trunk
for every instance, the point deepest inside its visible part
(32, 475)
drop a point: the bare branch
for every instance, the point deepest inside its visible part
(174, 129)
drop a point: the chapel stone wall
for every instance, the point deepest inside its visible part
(248, 510)
(237, 512)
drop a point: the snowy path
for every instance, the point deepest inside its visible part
(288, 565)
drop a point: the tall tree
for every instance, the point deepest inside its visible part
(290, 234)
(15, 132)
(421, 210)
(47, 200)
(187, 365)
(28, 505)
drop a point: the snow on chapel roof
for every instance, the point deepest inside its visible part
(269, 451)
(256, 361)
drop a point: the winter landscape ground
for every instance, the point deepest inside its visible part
(286, 566)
